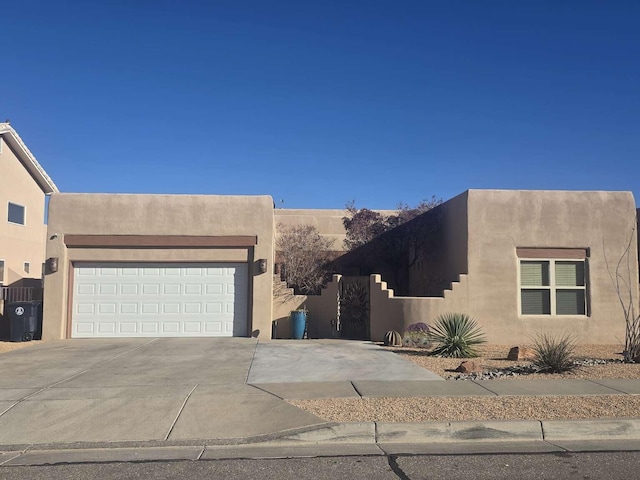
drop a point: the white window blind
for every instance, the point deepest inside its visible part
(553, 287)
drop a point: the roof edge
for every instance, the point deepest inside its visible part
(28, 159)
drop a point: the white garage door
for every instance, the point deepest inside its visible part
(159, 300)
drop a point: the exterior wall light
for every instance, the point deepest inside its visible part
(262, 265)
(51, 265)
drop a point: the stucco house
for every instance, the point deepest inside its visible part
(159, 265)
(520, 262)
(23, 187)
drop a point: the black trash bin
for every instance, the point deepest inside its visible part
(23, 321)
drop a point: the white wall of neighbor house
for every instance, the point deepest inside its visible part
(153, 216)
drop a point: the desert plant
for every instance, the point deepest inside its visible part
(625, 285)
(417, 335)
(554, 354)
(456, 335)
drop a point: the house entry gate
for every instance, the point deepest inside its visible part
(353, 308)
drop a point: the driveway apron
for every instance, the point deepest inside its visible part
(129, 390)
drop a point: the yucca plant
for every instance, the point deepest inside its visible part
(456, 335)
(554, 354)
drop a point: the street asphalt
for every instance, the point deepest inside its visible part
(194, 398)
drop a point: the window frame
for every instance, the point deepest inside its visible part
(2, 269)
(24, 214)
(553, 288)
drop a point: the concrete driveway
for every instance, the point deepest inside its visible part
(173, 389)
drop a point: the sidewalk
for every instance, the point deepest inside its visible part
(75, 401)
(413, 388)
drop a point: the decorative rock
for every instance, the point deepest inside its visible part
(468, 366)
(521, 353)
(523, 370)
(393, 339)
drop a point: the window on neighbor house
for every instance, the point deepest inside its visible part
(553, 287)
(27, 267)
(15, 213)
(1, 272)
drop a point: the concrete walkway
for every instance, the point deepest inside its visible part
(200, 398)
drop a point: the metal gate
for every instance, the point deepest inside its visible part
(354, 308)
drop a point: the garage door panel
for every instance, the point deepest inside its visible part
(159, 300)
(128, 327)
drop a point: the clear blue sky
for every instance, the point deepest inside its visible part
(318, 103)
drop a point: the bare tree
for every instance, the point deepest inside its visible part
(363, 225)
(626, 287)
(305, 255)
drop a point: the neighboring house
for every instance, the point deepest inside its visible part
(23, 187)
(159, 265)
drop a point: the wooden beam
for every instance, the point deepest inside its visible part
(159, 241)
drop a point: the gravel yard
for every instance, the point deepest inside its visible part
(490, 408)
(495, 356)
(8, 346)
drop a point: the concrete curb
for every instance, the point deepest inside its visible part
(600, 429)
(431, 432)
(367, 438)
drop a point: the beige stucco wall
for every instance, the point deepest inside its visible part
(328, 222)
(484, 228)
(500, 221)
(448, 251)
(20, 243)
(192, 215)
(323, 310)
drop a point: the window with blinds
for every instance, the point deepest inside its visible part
(552, 287)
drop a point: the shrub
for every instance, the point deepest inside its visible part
(417, 335)
(456, 335)
(554, 354)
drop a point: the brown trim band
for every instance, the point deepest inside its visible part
(577, 253)
(161, 241)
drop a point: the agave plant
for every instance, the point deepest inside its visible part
(456, 335)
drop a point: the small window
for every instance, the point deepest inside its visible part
(553, 287)
(1, 272)
(27, 267)
(16, 213)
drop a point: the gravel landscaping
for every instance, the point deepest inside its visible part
(8, 346)
(495, 357)
(598, 362)
(472, 408)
